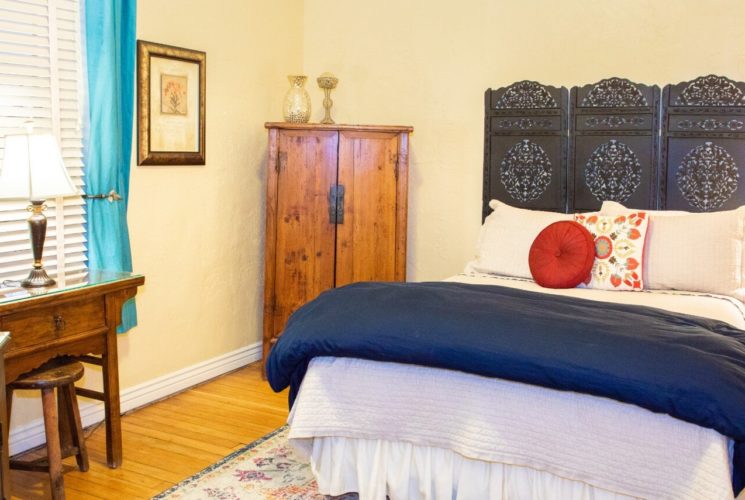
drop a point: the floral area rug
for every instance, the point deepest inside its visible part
(267, 468)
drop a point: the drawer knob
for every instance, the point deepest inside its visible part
(59, 323)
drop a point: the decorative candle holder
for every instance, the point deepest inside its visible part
(327, 82)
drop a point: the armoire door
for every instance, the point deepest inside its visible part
(366, 239)
(304, 235)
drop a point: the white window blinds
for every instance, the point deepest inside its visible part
(41, 79)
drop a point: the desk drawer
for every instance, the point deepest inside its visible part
(53, 322)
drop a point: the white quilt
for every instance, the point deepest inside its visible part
(612, 446)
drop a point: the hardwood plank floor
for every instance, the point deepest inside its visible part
(170, 440)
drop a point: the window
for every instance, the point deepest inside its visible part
(42, 79)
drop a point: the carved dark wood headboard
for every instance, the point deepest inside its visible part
(703, 145)
(526, 146)
(679, 148)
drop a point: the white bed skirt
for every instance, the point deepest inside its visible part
(375, 468)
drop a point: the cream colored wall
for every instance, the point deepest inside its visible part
(197, 232)
(427, 63)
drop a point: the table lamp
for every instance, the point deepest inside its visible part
(33, 170)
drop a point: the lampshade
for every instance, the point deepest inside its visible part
(33, 169)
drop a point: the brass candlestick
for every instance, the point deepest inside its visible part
(327, 82)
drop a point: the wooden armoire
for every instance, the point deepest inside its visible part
(336, 208)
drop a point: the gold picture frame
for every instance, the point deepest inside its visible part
(171, 84)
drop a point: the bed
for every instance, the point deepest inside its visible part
(417, 424)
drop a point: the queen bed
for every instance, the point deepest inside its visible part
(488, 385)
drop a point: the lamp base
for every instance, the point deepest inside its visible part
(37, 225)
(37, 278)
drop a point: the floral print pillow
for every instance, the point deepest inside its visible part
(619, 249)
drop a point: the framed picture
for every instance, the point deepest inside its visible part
(171, 84)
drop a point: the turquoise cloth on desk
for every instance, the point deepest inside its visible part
(110, 58)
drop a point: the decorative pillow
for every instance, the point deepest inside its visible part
(615, 208)
(700, 252)
(562, 255)
(619, 250)
(506, 237)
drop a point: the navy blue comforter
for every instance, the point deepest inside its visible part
(689, 367)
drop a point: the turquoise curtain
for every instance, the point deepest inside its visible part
(110, 59)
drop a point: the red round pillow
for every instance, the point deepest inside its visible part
(562, 255)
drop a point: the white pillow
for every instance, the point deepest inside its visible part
(701, 252)
(506, 237)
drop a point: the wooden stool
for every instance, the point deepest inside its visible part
(60, 415)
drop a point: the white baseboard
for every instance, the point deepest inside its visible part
(31, 434)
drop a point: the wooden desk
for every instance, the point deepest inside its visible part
(78, 319)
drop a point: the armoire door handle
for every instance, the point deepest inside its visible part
(336, 204)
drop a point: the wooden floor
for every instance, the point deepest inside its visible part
(170, 440)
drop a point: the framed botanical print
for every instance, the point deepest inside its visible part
(171, 83)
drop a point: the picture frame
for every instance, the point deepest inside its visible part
(171, 102)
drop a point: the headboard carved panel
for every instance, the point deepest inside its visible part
(525, 146)
(679, 149)
(613, 144)
(703, 145)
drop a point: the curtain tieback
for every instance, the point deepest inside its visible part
(111, 196)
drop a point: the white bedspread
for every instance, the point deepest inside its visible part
(614, 447)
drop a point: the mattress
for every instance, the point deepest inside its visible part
(418, 432)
